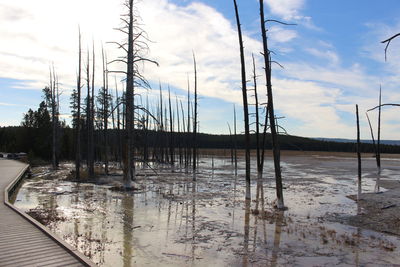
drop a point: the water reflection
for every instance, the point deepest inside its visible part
(246, 232)
(277, 237)
(194, 185)
(212, 224)
(127, 221)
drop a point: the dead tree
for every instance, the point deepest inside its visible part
(195, 120)
(161, 127)
(118, 101)
(105, 110)
(51, 98)
(134, 48)
(187, 158)
(259, 164)
(264, 137)
(387, 42)
(179, 131)
(378, 148)
(171, 129)
(92, 122)
(274, 135)
(235, 138)
(231, 141)
(245, 103)
(358, 156)
(78, 119)
(89, 122)
(184, 154)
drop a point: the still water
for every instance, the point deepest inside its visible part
(172, 221)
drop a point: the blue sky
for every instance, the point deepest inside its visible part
(332, 59)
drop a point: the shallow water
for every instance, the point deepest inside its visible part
(172, 221)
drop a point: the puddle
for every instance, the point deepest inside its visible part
(172, 221)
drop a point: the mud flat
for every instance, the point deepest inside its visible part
(173, 221)
(379, 211)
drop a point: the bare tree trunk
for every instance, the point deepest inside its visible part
(53, 117)
(179, 139)
(129, 117)
(275, 143)
(259, 165)
(264, 138)
(91, 125)
(161, 126)
(358, 156)
(183, 141)
(378, 148)
(58, 132)
(88, 116)
(195, 119)
(78, 120)
(118, 123)
(245, 103)
(188, 130)
(146, 133)
(231, 139)
(165, 133)
(171, 130)
(105, 110)
(235, 138)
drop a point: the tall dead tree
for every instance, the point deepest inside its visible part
(274, 135)
(105, 110)
(171, 129)
(377, 144)
(89, 122)
(78, 119)
(51, 98)
(118, 101)
(235, 138)
(187, 160)
(195, 119)
(178, 130)
(134, 48)
(161, 125)
(231, 141)
(245, 103)
(378, 148)
(258, 144)
(92, 122)
(358, 156)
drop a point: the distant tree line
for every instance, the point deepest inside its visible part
(34, 137)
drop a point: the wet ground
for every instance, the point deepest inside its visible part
(172, 221)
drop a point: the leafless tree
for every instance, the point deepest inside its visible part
(195, 119)
(89, 121)
(105, 101)
(275, 144)
(388, 41)
(358, 156)
(245, 103)
(134, 48)
(52, 97)
(171, 129)
(78, 119)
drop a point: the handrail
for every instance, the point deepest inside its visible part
(71, 250)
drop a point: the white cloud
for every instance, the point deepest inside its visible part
(353, 77)
(36, 33)
(280, 35)
(286, 9)
(329, 55)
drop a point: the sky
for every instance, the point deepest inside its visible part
(332, 59)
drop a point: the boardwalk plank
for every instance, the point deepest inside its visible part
(21, 242)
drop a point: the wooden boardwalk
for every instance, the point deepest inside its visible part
(23, 241)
